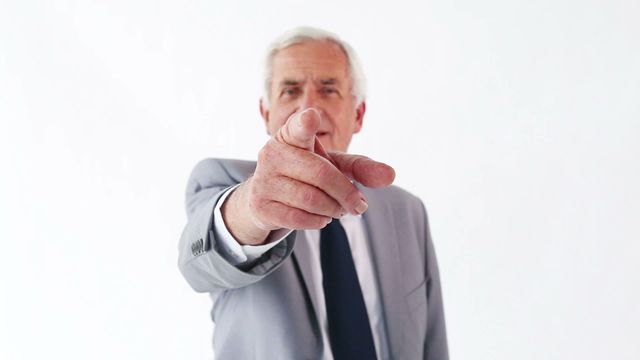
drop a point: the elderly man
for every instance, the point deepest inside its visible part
(309, 253)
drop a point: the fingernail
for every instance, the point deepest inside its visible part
(361, 207)
(310, 109)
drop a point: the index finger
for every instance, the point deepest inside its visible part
(364, 170)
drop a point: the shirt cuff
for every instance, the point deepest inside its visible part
(230, 248)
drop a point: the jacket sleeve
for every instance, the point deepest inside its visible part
(199, 260)
(435, 346)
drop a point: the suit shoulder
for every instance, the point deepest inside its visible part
(401, 203)
(231, 167)
(210, 176)
(399, 197)
(214, 171)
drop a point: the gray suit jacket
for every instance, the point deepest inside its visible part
(266, 311)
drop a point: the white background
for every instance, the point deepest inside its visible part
(517, 123)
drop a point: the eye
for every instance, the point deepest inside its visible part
(290, 91)
(328, 90)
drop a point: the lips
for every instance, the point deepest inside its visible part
(322, 133)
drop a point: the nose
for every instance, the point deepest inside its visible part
(308, 99)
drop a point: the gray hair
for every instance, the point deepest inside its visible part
(301, 34)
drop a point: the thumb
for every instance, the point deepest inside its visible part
(300, 129)
(362, 169)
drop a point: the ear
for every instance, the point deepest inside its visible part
(265, 114)
(359, 116)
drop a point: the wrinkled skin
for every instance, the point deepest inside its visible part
(297, 183)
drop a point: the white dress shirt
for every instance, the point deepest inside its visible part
(238, 254)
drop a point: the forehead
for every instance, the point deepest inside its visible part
(315, 59)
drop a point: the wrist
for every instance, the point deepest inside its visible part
(237, 217)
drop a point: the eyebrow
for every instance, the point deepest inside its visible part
(330, 81)
(290, 82)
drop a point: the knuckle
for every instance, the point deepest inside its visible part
(308, 221)
(271, 157)
(353, 196)
(322, 173)
(264, 153)
(320, 222)
(309, 197)
(258, 182)
(298, 218)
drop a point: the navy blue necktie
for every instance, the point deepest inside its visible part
(349, 328)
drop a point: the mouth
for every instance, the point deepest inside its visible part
(322, 133)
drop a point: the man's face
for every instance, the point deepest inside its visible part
(314, 74)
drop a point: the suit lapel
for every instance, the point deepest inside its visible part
(384, 245)
(302, 257)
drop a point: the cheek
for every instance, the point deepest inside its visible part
(276, 120)
(348, 122)
(273, 127)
